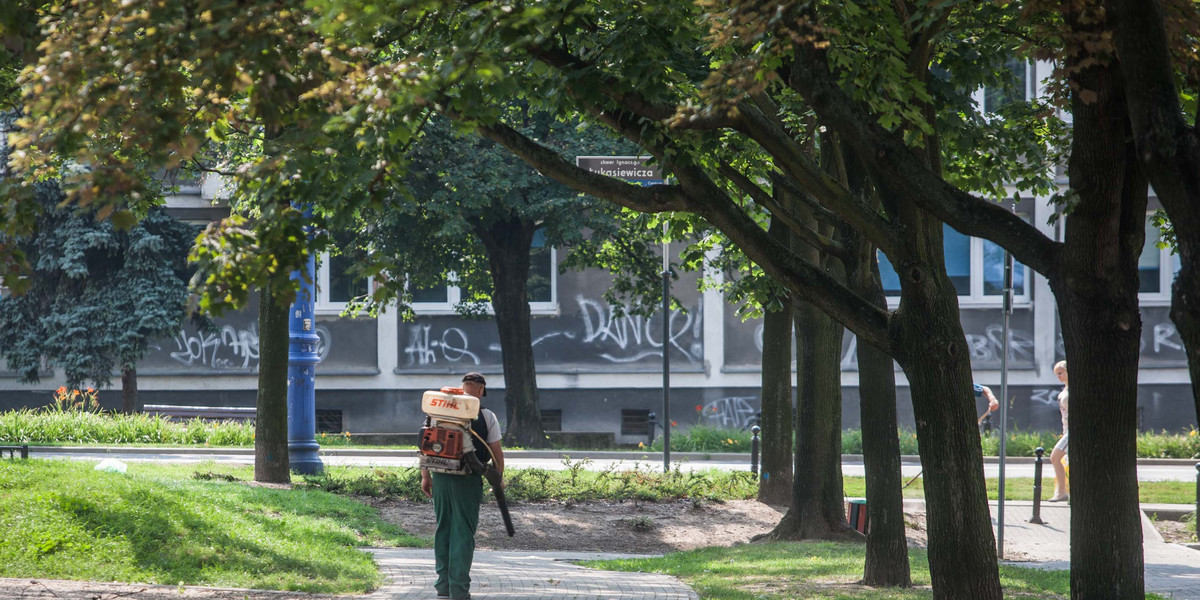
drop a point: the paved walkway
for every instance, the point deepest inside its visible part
(525, 575)
(1172, 570)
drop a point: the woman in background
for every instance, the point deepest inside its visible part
(1060, 449)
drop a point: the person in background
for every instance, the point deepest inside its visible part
(986, 392)
(1060, 449)
(456, 500)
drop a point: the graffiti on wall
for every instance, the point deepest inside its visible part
(731, 412)
(596, 331)
(229, 348)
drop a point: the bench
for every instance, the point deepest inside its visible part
(13, 450)
(177, 412)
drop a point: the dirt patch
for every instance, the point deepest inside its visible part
(1176, 532)
(601, 526)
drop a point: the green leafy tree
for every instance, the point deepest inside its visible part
(471, 208)
(98, 296)
(891, 82)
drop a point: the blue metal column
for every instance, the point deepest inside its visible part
(302, 366)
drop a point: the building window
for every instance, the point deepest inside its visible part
(552, 420)
(1155, 281)
(1015, 89)
(975, 266)
(337, 284)
(635, 421)
(541, 286)
(329, 421)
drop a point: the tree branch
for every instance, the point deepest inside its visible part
(563, 60)
(650, 199)
(793, 161)
(697, 193)
(1168, 148)
(907, 174)
(814, 239)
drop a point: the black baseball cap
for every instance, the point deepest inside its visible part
(476, 378)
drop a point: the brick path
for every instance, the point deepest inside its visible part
(525, 575)
(1172, 570)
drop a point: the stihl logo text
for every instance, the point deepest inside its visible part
(443, 403)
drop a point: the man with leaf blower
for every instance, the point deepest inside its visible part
(457, 442)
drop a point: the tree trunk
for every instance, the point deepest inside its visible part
(887, 542)
(271, 463)
(929, 343)
(1096, 292)
(129, 391)
(1168, 148)
(508, 245)
(775, 485)
(816, 510)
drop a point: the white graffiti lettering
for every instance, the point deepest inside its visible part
(1045, 396)
(989, 346)
(633, 335)
(733, 411)
(1166, 335)
(230, 348)
(422, 350)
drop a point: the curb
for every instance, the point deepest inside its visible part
(551, 454)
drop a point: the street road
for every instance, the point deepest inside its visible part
(1185, 471)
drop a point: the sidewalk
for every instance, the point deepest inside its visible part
(1172, 570)
(525, 575)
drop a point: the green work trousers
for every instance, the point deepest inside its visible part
(456, 500)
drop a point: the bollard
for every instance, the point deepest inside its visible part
(25, 452)
(650, 425)
(754, 449)
(1037, 487)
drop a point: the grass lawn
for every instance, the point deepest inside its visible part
(814, 570)
(1164, 492)
(157, 524)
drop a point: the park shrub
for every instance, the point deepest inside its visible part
(52, 426)
(576, 482)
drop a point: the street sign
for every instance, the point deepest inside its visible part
(630, 168)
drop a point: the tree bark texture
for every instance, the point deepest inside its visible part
(129, 391)
(887, 543)
(928, 342)
(817, 498)
(1096, 292)
(1169, 150)
(271, 463)
(886, 562)
(508, 245)
(775, 482)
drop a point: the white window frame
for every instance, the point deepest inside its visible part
(322, 305)
(1032, 86)
(1166, 277)
(976, 298)
(454, 296)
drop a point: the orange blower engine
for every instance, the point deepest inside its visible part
(446, 445)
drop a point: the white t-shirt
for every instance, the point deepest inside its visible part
(493, 425)
(1062, 407)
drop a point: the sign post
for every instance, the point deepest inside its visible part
(635, 170)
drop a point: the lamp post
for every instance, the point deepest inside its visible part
(302, 366)
(1008, 301)
(666, 342)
